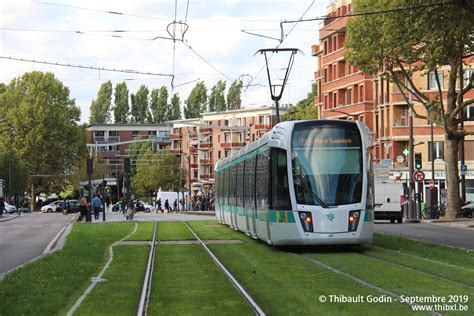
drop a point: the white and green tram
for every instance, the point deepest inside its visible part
(302, 183)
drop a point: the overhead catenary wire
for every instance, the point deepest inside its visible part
(85, 67)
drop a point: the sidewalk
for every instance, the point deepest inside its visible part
(7, 217)
(467, 223)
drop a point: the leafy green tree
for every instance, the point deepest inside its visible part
(405, 41)
(196, 102)
(121, 107)
(48, 137)
(155, 170)
(139, 111)
(304, 109)
(234, 102)
(175, 107)
(159, 109)
(217, 98)
(100, 108)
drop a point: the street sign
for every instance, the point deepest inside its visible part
(419, 176)
(431, 184)
(400, 159)
(463, 169)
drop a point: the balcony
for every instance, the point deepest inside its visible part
(205, 130)
(109, 139)
(194, 166)
(232, 145)
(176, 137)
(263, 126)
(206, 161)
(315, 50)
(109, 153)
(205, 145)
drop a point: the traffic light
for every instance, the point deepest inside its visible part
(418, 165)
(153, 193)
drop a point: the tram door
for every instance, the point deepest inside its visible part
(249, 196)
(261, 195)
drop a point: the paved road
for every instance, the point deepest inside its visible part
(454, 236)
(26, 237)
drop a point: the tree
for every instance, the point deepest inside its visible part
(234, 102)
(139, 112)
(405, 41)
(156, 170)
(217, 98)
(196, 102)
(121, 107)
(100, 108)
(304, 109)
(175, 107)
(48, 137)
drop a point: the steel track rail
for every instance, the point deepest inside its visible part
(258, 311)
(145, 296)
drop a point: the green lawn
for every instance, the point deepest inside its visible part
(209, 230)
(53, 284)
(187, 282)
(120, 294)
(144, 231)
(173, 231)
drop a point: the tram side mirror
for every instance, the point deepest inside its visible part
(388, 200)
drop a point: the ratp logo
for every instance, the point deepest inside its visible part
(330, 217)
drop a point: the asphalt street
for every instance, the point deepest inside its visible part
(439, 233)
(26, 237)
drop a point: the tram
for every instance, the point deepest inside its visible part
(302, 183)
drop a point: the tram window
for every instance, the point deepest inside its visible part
(240, 183)
(262, 180)
(370, 181)
(279, 181)
(233, 185)
(226, 186)
(249, 188)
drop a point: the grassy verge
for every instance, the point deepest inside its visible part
(187, 282)
(173, 231)
(391, 277)
(208, 230)
(120, 294)
(454, 256)
(52, 284)
(284, 283)
(448, 271)
(144, 231)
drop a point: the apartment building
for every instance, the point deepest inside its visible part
(113, 155)
(345, 93)
(203, 141)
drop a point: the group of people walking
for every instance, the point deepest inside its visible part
(166, 207)
(96, 204)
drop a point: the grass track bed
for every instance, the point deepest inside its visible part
(284, 283)
(451, 272)
(173, 231)
(51, 285)
(144, 231)
(447, 255)
(120, 294)
(391, 277)
(187, 282)
(209, 230)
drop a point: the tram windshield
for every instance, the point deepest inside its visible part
(327, 164)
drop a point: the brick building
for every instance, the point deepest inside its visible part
(345, 93)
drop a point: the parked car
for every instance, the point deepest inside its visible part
(51, 207)
(10, 208)
(143, 207)
(73, 206)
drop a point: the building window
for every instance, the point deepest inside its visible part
(219, 154)
(438, 149)
(135, 133)
(349, 96)
(467, 76)
(469, 111)
(113, 133)
(164, 133)
(361, 93)
(432, 84)
(99, 133)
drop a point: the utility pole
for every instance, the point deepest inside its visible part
(461, 121)
(12, 140)
(411, 193)
(90, 170)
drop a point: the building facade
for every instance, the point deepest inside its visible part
(106, 136)
(345, 93)
(203, 141)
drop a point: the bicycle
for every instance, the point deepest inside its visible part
(435, 211)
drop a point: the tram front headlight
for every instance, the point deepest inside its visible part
(306, 221)
(353, 220)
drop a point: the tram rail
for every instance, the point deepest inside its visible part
(248, 298)
(145, 295)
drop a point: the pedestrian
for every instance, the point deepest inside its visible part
(167, 206)
(159, 206)
(175, 205)
(107, 201)
(181, 201)
(65, 206)
(83, 206)
(96, 205)
(2, 205)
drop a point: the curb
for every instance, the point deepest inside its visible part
(54, 241)
(197, 212)
(9, 219)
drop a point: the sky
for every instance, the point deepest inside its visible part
(212, 48)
